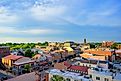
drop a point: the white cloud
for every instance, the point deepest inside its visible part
(6, 16)
(34, 31)
(47, 13)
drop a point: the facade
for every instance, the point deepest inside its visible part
(119, 46)
(91, 56)
(107, 43)
(52, 44)
(99, 74)
(99, 52)
(10, 59)
(4, 51)
(64, 75)
(76, 68)
(68, 44)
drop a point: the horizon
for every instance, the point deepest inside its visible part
(60, 20)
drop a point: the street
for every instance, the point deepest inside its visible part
(3, 74)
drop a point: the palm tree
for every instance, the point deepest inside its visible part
(57, 78)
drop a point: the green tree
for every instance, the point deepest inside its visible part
(27, 67)
(92, 46)
(114, 46)
(28, 53)
(57, 78)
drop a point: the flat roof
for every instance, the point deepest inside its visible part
(75, 76)
(4, 46)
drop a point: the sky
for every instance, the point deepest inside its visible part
(60, 20)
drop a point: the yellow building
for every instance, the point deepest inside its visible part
(10, 59)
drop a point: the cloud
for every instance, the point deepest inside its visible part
(47, 13)
(105, 17)
(6, 16)
(34, 31)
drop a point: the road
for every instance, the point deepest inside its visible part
(4, 74)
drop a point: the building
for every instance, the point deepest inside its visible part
(107, 43)
(64, 75)
(99, 52)
(10, 59)
(76, 68)
(92, 63)
(52, 44)
(68, 44)
(119, 46)
(99, 74)
(39, 57)
(25, 77)
(4, 51)
(93, 57)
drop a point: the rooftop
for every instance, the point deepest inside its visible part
(12, 57)
(75, 67)
(24, 77)
(75, 76)
(4, 46)
(26, 62)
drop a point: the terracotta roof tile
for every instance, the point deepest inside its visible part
(13, 57)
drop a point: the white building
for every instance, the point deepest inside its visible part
(103, 75)
(68, 76)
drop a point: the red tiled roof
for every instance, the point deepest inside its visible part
(13, 57)
(79, 68)
(75, 67)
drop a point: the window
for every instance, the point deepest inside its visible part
(75, 80)
(90, 76)
(68, 79)
(97, 78)
(106, 79)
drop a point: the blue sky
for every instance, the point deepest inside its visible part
(60, 20)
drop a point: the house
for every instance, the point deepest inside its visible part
(40, 57)
(68, 43)
(100, 74)
(64, 76)
(94, 57)
(10, 59)
(107, 43)
(4, 51)
(119, 46)
(24, 77)
(76, 68)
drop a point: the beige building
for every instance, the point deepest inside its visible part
(51, 44)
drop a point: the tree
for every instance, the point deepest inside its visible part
(92, 46)
(27, 67)
(57, 78)
(28, 53)
(114, 46)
